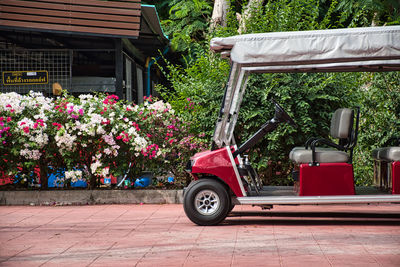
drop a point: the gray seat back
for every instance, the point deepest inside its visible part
(342, 125)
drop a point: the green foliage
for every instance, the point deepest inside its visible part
(202, 85)
(309, 98)
(363, 13)
(187, 23)
(380, 119)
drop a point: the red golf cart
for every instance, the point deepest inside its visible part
(224, 177)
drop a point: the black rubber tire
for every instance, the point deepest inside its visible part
(232, 206)
(218, 190)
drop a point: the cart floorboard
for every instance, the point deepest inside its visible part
(281, 195)
(288, 191)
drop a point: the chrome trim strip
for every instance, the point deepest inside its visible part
(358, 199)
(236, 170)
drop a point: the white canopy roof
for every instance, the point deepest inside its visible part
(372, 46)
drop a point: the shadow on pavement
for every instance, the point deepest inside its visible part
(312, 218)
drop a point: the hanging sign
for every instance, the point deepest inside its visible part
(25, 77)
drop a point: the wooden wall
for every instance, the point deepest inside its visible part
(115, 18)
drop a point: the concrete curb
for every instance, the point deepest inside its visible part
(92, 197)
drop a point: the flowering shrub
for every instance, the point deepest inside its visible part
(93, 137)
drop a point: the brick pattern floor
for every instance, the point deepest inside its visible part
(161, 235)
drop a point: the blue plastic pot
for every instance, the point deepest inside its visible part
(142, 182)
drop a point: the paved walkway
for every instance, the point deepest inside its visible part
(161, 235)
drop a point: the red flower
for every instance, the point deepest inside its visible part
(58, 125)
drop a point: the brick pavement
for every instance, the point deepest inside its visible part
(161, 235)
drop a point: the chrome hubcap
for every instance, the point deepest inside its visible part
(207, 202)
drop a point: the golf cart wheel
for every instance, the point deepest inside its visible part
(206, 202)
(231, 207)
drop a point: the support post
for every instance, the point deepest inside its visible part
(119, 68)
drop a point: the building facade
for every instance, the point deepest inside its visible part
(81, 46)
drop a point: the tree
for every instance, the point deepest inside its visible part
(250, 8)
(187, 24)
(220, 11)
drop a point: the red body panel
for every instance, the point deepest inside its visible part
(218, 163)
(326, 179)
(396, 177)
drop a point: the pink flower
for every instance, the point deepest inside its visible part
(81, 112)
(41, 122)
(58, 125)
(119, 137)
(9, 119)
(35, 125)
(26, 129)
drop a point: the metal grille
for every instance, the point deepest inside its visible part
(58, 64)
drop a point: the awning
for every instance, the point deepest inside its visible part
(352, 48)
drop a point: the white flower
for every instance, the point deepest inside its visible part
(94, 166)
(100, 130)
(109, 139)
(105, 172)
(85, 97)
(73, 175)
(30, 154)
(65, 141)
